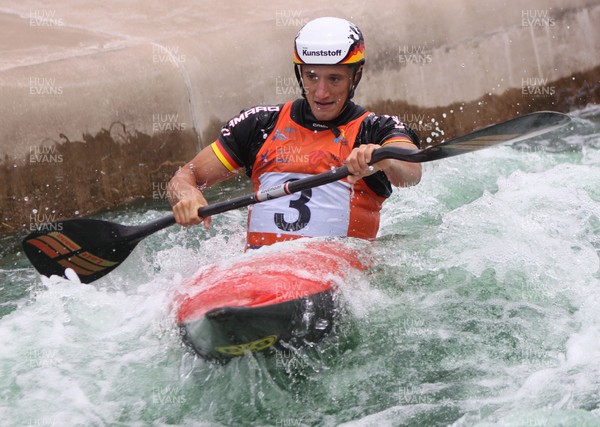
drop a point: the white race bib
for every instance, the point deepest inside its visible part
(319, 211)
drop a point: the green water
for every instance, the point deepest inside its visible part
(481, 309)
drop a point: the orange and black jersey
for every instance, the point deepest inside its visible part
(243, 136)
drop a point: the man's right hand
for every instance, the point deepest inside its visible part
(184, 188)
(186, 211)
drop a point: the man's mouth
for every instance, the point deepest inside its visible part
(325, 105)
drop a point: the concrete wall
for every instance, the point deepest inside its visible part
(101, 101)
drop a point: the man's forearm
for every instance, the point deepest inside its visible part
(401, 173)
(182, 186)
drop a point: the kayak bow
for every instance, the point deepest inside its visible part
(266, 298)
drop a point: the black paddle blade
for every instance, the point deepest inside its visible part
(512, 130)
(92, 248)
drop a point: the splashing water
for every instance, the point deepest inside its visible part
(481, 310)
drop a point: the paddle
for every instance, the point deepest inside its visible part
(93, 248)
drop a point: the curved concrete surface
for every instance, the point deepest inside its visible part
(101, 102)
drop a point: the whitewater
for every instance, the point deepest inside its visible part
(481, 309)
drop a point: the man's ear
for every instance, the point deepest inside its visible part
(357, 75)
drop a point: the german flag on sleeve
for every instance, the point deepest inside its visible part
(404, 139)
(224, 156)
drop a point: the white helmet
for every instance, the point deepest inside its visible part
(330, 41)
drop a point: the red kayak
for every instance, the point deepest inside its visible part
(276, 294)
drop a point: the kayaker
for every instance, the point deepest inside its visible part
(310, 135)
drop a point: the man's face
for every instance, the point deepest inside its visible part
(327, 88)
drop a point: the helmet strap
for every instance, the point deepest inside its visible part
(356, 76)
(299, 79)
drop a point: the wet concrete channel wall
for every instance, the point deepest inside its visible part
(101, 103)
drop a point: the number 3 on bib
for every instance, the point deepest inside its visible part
(300, 205)
(320, 211)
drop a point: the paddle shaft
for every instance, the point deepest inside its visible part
(519, 128)
(258, 197)
(93, 248)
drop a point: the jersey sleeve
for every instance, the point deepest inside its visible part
(383, 130)
(242, 136)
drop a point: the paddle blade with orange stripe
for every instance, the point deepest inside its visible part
(90, 247)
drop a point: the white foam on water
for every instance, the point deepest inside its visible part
(482, 306)
(529, 212)
(66, 350)
(88, 354)
(515, 245)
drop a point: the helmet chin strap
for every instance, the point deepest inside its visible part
(356, 71)
(299, 79)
